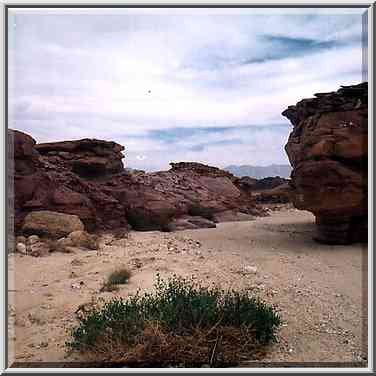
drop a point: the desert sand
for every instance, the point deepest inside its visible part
(319, 290)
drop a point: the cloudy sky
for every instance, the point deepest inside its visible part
(177, 85)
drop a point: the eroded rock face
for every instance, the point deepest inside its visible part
(201, 169)
(24, 155)
(279, 194)
(44, 182)
(153, 200)
(328, 152)
(270, 190)
(111, 197)
(88, 158)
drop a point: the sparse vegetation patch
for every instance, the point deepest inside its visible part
(180, 323)
(118, 277)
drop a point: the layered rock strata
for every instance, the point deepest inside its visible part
(327, 149)
(86, 178)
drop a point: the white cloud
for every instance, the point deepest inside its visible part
(117, 76)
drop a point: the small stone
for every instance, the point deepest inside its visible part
(64, 242)
(136, 262)
(77, 262)
(248, 269)
(32, 239)
(21, 248)
(20, 239)
(39, 249)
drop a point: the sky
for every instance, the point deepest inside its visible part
(173, 85)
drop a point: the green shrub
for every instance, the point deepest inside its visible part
(118, 277)
(182, 322)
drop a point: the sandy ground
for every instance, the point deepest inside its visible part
(320, 291)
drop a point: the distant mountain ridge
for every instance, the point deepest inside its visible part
(260, 172)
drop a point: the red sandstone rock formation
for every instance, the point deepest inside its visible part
(328, 152)
(86, 178)
(86, 157)
(153, 200)
(47, 183)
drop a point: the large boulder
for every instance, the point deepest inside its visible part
(52, 224)
(327, 149)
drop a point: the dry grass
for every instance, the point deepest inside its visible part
(117, 277)
(155, 347)
(181, 323)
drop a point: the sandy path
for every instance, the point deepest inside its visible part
(320, 291)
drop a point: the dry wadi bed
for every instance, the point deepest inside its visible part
(319, 290)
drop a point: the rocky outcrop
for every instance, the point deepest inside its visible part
(25, 157)
(45, 182)
(270, 183)
(270, 190)
(153, 200)
(278, 195)
(328, 152)
(246, 183)
(201, 169)
(88, 158)
(105, 196)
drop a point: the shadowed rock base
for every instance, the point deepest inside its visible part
(340, 230)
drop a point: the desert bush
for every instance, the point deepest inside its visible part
(180, 323)
(118, 277)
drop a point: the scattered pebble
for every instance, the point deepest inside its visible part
(21, 248)
(249, 269)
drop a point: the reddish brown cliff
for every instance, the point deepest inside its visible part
(86, 157)
(328, 152)
(87, 178)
